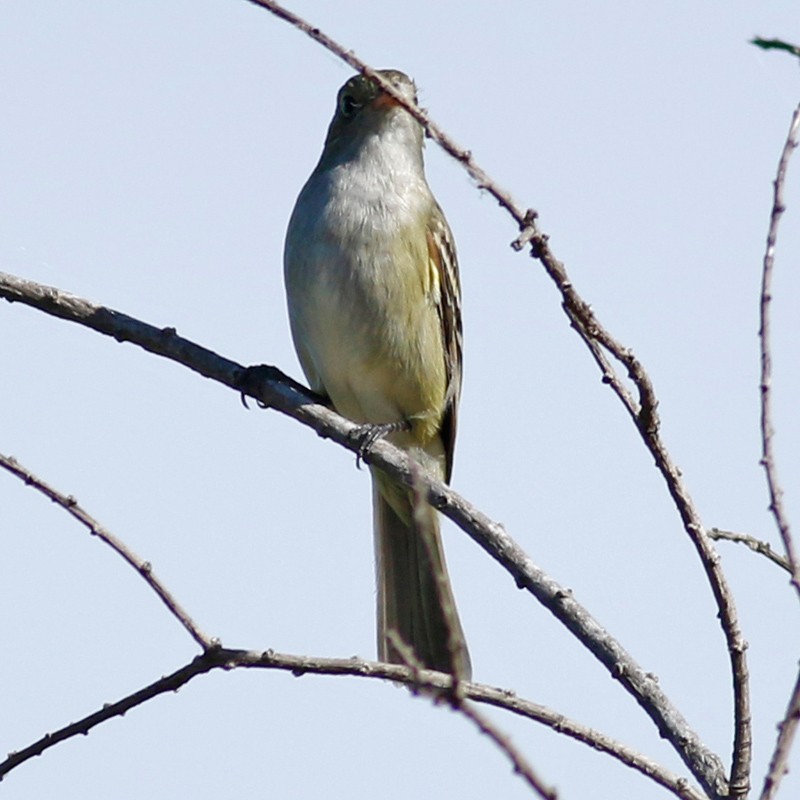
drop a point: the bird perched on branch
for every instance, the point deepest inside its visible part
(374, 302)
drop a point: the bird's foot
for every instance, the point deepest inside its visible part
(250, 380)
(366, 435)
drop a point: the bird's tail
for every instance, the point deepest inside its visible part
(416, 606)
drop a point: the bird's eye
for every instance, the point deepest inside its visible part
(348, 105)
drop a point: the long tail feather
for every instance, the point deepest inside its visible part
(415, 599)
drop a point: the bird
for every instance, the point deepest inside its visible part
(374, 302)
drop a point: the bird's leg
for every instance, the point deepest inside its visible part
(370, 432)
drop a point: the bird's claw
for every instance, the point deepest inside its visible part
(367, 434)
(249, 380)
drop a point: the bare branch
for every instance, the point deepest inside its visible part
(788, 726)
(642, 413)
(787, 729)
(524, 218)
(756, 545)
(144, 568)
(595, 739)
(453, 695)
(439, 682)
(288, 397)
(171, 683)
(767, 428)
(521, 765)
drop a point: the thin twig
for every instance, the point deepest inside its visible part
(787, 729)
(521, 765)
(595, 739)
(756, 545)
(287, 396)
(454, 697)
(788, 726)
(439, 682)
(767, 428)
(144, 568)
(642, 413)
(524, 217)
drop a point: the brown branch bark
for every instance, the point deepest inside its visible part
(454, 696)
(767, 426)
(756, 545)
(290, 398)
(227, 659)
(521, 765)
(787, 728)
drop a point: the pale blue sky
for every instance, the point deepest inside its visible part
(150, 156)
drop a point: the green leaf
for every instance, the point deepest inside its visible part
(776, 44)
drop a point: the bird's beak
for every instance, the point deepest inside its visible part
(384, 101)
